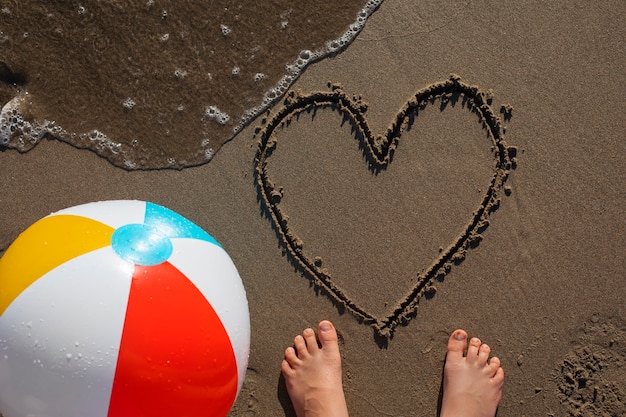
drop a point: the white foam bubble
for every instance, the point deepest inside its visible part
(101, 142)
(212, 112)
(225, 30)
(15, 128)
(128, 103)
(128, 164)
(180, 73)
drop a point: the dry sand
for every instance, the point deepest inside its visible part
(544, 284)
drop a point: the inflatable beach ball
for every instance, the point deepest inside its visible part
(120, 309)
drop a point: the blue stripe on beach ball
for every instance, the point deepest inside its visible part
(173, 225)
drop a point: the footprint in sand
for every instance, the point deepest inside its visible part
(591, 380)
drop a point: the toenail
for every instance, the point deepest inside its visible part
(460, 336)
(325, 327)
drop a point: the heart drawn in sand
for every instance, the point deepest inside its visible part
(378, 151)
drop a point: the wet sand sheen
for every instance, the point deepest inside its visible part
(159, 83)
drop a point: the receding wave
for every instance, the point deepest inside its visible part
(161, 84)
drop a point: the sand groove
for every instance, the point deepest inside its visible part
(378, 151)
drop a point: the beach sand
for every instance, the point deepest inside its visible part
(400, 253)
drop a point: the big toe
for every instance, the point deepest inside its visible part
(457, 345)
(328, 336)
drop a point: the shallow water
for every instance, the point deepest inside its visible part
(157, 83)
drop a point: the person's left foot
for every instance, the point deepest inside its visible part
(313, 374)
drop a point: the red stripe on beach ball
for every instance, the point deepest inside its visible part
(175, 356)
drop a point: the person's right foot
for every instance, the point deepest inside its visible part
(472, 383)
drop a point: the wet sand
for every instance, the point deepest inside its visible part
(396, 251)
(160, 83)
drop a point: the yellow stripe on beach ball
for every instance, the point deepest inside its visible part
(45, 245)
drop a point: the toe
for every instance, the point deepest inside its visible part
(472, 349)
(328, 336)
(483, 354)
(494, 365)
(300, 345)
(328, 339)
(311, 341)
(286, 369)
(457, 345)
(291, 357)
(498, 378)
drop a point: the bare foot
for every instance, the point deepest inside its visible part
(313, 374)
(472, 384)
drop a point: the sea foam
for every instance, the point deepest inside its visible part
(21, 133)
